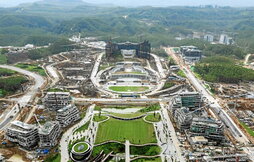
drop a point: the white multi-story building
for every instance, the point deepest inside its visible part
(57, 100)
(26, 135)
(225, 39)
(209, 38)
(48, 134)
(67, 115)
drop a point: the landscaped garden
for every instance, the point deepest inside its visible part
(82, 128)
(136, 131)
(99, 118)
(149, 150)
(153, 117)
(153, 107)
(81, 147)
(128, 88)
(107, 148)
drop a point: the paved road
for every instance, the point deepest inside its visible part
(247, 57)
(159, 66)
(26, 98)
(119, 100)
(68, 135)
(127, 151)
(94, 78)
(173, 150)
(236, 132)
(53, 73)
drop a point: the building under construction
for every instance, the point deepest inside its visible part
(190, 100)
(142, 50)
(207, 127)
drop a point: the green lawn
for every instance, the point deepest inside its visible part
(248, 129)
(136, 131)
(82, 128)
(32, 67)
(81, 147)
(98, 118)
(153, 118)
(128, 88)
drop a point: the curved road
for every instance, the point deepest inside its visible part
(26, 98)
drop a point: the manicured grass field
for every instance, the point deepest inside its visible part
(153, 118)
(128, 88)
(136, 131)
(32, 67)
(80, 147)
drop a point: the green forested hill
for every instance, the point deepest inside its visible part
(50, 20)
(223, 69)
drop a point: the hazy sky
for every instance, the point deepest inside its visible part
(245, 3)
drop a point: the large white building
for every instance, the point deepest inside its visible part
(26, 135)
(67, 115)
(209, 38)
(225, 39)
(48, 134)
(57, 100)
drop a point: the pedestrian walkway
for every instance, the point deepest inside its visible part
(127, 151)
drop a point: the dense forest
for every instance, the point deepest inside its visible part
(45, 22)
(223, 69)
(9, 85)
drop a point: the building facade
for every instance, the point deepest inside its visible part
(67, 115)
(57, 100)
(48, 134)
(183, 118)
(26, 135)
(209, 38)
(142, 50)
(209, 128)
(191, 53)
(190, 100)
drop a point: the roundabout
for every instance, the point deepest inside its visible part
(80, 151)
